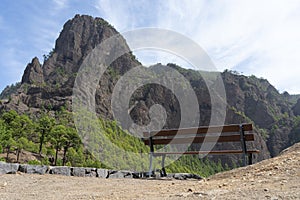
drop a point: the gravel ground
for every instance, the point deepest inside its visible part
(276, 178)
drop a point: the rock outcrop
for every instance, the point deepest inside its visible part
(296, 108)
(78, 38)
(33, 73)
(50, 86)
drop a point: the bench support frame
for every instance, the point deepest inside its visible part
(247, 155)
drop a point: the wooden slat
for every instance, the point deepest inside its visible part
(186, 140)
(199, 130)
(247, 127)
(207, 152)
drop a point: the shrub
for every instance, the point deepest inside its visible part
(45, 161)
(34, 162)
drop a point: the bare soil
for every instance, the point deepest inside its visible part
(276, 178)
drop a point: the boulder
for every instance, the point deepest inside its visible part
(120, 174)
(78, 171)
(91, 172)
(184, 176)
(66, 171)
(84, 172)
(102, 173)
(34, 169)
(8, 168)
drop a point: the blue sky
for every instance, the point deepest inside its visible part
(251, 36)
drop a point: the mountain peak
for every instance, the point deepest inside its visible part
(33, 73)
(78, 38)
(51, 85)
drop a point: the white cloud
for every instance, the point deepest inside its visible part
(254, 37)
(127, 14)
(45, 34)
(60, 4)
(115, 13)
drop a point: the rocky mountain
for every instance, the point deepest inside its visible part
(49, 86)
(8, 90)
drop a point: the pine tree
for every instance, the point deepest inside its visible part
(45, 124)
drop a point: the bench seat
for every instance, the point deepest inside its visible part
(199, 135)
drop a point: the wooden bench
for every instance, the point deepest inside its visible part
(241, 133)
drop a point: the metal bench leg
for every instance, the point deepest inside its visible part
(164, 174)
(150, 166)
(250, 159)
(243, 143)
(151, 155)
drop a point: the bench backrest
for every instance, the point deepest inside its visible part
(227, 133)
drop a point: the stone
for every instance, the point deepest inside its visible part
(3, 185)
(102, 173)
(90, 172)
(78, 171)
(120, 174)
(184, 176)
(8, 168)
(34, 169)
(66, 171)
(200, 194)
(136, 175)
(225, 184)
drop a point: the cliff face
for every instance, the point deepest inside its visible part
(249, 99)
(49, 86)
(77, 39)
(33, 73)
(259, 101)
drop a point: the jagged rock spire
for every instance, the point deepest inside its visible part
(33, 73)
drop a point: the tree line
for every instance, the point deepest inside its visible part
(55, 139)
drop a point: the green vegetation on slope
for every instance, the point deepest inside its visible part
(55, 139)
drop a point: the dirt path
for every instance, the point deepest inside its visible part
(277, 178)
